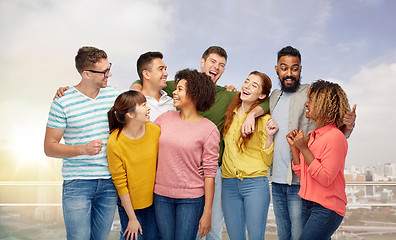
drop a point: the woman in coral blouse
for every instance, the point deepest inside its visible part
(246, 161)
(319, 160)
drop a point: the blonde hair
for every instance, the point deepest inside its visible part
(329, 102)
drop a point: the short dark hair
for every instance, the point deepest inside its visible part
(289, 51)
(200, 88)
(144, 62)
(87, 57)
(215, 49)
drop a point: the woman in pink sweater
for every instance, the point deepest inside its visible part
(319, 160)
(182, 197)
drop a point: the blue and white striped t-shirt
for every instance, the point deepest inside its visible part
(84, 119)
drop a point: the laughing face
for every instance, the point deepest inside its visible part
(308, 108)
(180, 97)
(142, 113)
(252, 89)
(288, 71)
(213, 66)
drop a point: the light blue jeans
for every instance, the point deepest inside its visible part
(245, 204)
(88, 208)
(288, 210)
(216, 228)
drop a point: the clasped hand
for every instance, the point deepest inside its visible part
(297, 139)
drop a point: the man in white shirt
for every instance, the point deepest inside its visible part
(152, 72)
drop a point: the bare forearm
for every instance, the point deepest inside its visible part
(59, 150)
(308, 155)
(127, 204)
(257, 112)
(296, 156)
(209, 184)
(347, 131)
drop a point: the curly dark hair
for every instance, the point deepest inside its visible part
(200, 88)
(329, 102)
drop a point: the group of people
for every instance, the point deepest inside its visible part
(180, 157)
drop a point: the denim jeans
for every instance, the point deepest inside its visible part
(178, 218)
(88, 208)
(217, 211)
(320, 222)
(288, 210)
(146, 218)
(245, 204)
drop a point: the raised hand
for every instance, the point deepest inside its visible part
(230, 88)
(350, 117)
(271, 127)
(301, 141)
(290, 137)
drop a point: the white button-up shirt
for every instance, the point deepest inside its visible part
(164, 104)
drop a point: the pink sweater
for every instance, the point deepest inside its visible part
(323, 180)
(183, 147)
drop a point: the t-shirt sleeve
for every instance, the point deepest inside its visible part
(265, 106)
(57, 116)
(138, 82)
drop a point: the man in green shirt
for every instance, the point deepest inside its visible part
(213, 63)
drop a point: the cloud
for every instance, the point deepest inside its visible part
(373, 90)
(40, 40)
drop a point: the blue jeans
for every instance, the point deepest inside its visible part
(178, 218)
(288, 210)
(146, 218)
(320, 222)
(88, 208)
(216, 228)
(245, 204)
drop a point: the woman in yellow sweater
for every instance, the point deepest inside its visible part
(246, 160)
(132, 154)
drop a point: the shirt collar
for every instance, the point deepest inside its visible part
(323, 130)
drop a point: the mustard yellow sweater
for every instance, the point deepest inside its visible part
(132, 164)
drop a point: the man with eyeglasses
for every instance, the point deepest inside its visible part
(89, 197)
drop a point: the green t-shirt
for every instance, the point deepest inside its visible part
(217, 112)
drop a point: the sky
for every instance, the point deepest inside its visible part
(351, 42)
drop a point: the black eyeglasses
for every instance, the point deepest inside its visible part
(105, 73)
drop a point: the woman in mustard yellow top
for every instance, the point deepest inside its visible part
(246, 160)
(132, 154)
